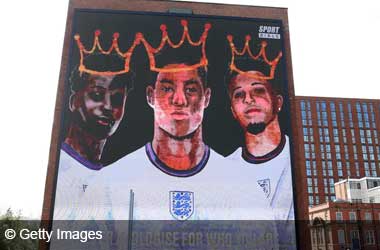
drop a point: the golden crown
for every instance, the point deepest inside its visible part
(262, 54)
(96, 47)
(166, 40)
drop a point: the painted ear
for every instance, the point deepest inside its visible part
(233, 113)
(207, 97)
(150, 96)
(280, 102)
(73, 102)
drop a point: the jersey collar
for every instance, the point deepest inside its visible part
(70, 151)
(177, 173)
(261, 159)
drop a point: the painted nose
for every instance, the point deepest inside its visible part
(249, 99)
(107, 102)
(179, 98)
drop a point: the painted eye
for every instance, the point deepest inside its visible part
(238, 95)
(191, 90)
(167, 89)
(117, 100)
(259, 91)
(96, 96)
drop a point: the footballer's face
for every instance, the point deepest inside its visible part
(252, 101)
(99, 106)
(178, 100)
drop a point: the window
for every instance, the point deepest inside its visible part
(341, 237)
(354, 185)
(305, 131)
(353, 135)
(358, 108)
(352, 216)
(365, 157)
(331, 173)
(332, 106)
(323, 105)
(354, 235)
(368, 216)
(370, 237)
(302, 105)
(339, 216)
(309, 181)
(311, 200)
(364, 107)
(315, 181)
(303, 114)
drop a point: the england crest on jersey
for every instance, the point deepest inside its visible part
(265, 185)
(181, 204)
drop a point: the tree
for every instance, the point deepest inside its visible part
(10, 220)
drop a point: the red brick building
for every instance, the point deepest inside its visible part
(345, 225)
(336, 139)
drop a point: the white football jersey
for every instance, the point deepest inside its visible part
(78, 188)
(272, 173)
(141, 187)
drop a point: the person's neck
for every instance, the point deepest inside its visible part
(265, 142)
(178, 154)
(85, 144)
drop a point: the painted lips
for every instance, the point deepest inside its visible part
(104, 121)
(252, 110)
(179, 115)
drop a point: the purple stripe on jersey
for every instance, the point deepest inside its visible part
(70, 151)
(177, 173)
(261, 159)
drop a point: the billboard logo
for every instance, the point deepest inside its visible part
(269, 32)
(181, 204)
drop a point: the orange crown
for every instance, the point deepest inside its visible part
(262, 53)
(114, 47)
(165, 39)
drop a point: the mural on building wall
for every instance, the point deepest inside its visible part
(170, 117)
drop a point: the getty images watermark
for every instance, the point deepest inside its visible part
(45, 235)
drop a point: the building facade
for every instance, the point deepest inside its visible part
(345, 225)
(352, 221)
(338, 139)
(364, 190)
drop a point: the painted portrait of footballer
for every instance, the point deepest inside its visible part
(256, 101)
(96, 107)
